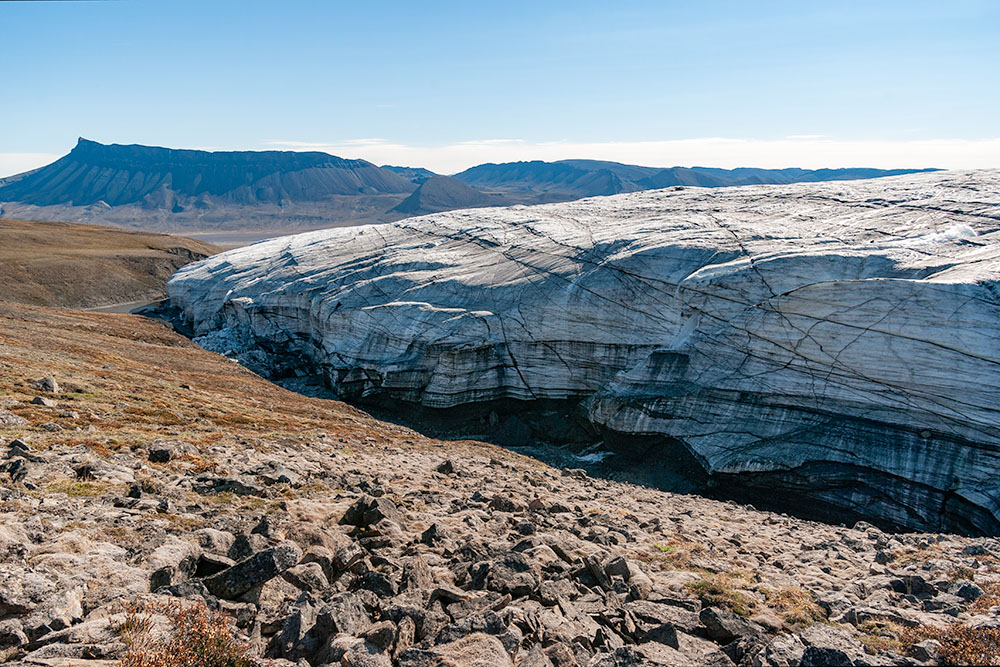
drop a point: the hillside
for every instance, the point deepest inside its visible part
(83, 266)
(140, 471)
(443, 193)
(538, 182)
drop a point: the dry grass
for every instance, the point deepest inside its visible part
(674, 554)
(135, 370)
(76, 265)
(989, 598)
(198, 637)
(76, 489)
(718, 591)
(960, 644)
(796, 606)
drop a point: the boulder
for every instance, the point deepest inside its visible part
(254, 571)
(476, 650)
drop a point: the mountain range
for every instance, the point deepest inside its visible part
(154, 188)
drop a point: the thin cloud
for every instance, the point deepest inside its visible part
(16, 163)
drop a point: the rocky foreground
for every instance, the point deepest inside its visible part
(136, 466)
(831, 344)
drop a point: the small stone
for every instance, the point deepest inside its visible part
(160, 453)
(435, 534)
(724, 626)
(381, 635)
(48, 384)
(306, 577)
(46, 402)
(928, 650)
(370, 510)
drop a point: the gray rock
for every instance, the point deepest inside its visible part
(48, 384)
(344, 613)
(259, 568)
(307, 577)
(370, 510)
(489, 623)
(476, 650)
(10, 420)
(160, 453)
(725, 626)
(381, 635)
(781, 651)
(966, 590)
(211, 564)
(928, 650)
(214, 541)
(12, 634)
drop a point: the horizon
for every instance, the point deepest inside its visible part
(514, 159)
(446, 86)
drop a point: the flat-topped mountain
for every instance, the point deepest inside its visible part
(831, 346)
(170, 178)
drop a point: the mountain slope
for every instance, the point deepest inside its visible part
(72, 265)
(413, 174)
(444, 193)
(537, 181)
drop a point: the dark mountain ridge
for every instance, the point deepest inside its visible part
(572, 179)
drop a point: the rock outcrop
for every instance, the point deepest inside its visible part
(832, 344)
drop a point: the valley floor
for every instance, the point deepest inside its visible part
(153, 470)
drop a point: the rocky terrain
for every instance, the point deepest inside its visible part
(138, 469)
(280, 192)
(84, 266)
(829, 346)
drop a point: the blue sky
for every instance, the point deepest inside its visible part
(451, 84)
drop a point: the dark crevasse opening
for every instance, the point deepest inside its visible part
(557, 432)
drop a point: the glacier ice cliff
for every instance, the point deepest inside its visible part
(834, 344)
